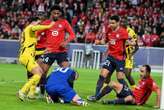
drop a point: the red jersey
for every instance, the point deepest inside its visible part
(41, 43)
(143, 90)
(116, 42)
(56, 35)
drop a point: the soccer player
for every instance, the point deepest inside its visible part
(141, 92)
(130, 51)
(59, 85)
(40, 50)
(27, 57)
(116, 38)
(56, 39)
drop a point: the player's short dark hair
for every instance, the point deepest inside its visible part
(115, 17)
(148, 68)
(56, 7)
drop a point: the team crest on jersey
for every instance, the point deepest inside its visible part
(55, 33)
(60, 26)
(117, 35)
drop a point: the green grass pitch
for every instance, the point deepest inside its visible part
(13, 76)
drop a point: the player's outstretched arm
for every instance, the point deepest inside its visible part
(42, 27)
(157, 90)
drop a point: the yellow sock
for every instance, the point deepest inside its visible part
(32, 91)
(33, 81)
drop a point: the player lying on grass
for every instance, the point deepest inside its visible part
(139, 95)
(60, 85)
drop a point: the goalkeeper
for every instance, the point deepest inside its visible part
(60, 85)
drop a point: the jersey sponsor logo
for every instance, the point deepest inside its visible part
(55, 33)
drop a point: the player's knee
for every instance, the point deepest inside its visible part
(37, 70)
(112, 84)
(120, 75)
(104, 73)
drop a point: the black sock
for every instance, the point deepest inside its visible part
(122, 81)
(129, 77)
(42, 84)
(100, 83)
(105, 91)
(117, 101)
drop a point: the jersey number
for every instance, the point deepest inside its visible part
(63, 70)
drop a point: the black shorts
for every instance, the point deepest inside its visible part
(124, 92)
(49, 58)
(112, 64)
(39, 56)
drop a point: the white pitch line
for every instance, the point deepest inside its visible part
(5, 82)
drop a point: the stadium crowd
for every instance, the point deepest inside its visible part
(89, 18)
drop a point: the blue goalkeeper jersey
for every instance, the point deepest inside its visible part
(60, 78)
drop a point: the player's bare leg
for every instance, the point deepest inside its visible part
(42, 81)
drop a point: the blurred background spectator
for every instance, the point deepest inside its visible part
(146, 17)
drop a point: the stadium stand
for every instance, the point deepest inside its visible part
(144, 16)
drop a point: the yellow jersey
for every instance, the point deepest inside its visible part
(130, 50)
(131, 33)
(28, 42)
(28, 35)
